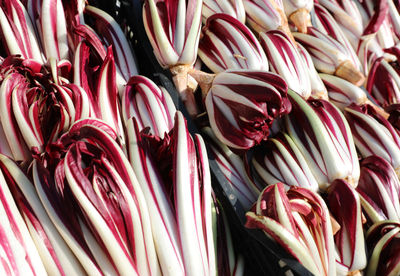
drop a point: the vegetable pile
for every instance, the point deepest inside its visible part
(297, 106)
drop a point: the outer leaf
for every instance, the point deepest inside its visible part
(233, 8)
(282, 161)
(241, 119)
(149, 105)
(53, 30)
(18, 32)
(111, 32)
(281, 235)
(188, 201)
(325, 23)
(114, 168)
(76, 235)
(173, 28)
(330, 56)
(379, 189)
(55, 254)
(106, 97)
(234, 170)
(344, 204)
(343, 93)
(348, 16)
(206, 203)
(339, 130)
(265, 15)
(15, 143)
(373, 134)
(318, 89)
(226, 43)
(19, 254)
(161, 211)
(326, 145)
(274, 203)
(383, 240)
(286, 61)
(384, 92)
(314, 227)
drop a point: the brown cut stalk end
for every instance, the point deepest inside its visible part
(378, 109)
(346, 70)
(203, 79)
(284, 27)
(192, 83)
(322, 95)
(389, 57)
(180, 78)
(363, 218)
(301, 19)
(397, 170)
(354, 273)
(180, 69)
(335, 225)
(350, 180)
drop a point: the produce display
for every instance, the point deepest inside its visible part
(200, 137)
